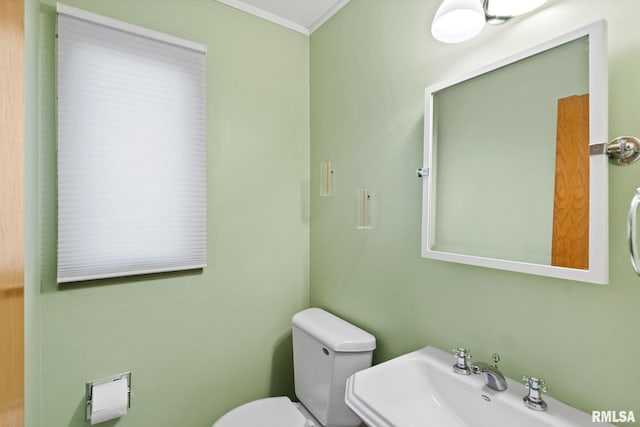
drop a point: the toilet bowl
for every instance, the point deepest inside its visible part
(269, 412)
(326, 351)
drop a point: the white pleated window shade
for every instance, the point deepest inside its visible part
(131, 149)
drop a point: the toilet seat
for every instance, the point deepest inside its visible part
(269, 412)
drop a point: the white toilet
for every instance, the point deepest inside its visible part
(326, 351)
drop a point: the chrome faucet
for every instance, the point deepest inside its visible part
(533, 399)
(495, 380)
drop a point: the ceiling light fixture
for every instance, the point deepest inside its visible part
(457, 21)
(511, 8)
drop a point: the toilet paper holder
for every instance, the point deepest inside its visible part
(94, 383)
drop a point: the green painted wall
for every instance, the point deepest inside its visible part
(369, 67)
(197, 344)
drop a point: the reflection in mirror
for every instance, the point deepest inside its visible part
(511, 182)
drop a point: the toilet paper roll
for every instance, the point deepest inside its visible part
(109, 400)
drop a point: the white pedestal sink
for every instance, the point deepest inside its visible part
(420, 389)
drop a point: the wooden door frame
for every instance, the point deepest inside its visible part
(12, 213)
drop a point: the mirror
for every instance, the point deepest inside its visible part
(515, 180)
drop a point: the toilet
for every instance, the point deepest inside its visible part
(326, 351)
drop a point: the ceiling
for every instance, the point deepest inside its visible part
(304, 16)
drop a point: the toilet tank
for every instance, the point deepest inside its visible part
(326, 351)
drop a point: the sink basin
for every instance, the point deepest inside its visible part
(420, 389)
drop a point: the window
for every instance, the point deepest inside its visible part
(131, 149)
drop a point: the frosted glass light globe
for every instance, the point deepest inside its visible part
(457, 21)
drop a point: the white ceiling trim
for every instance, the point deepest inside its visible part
(264, 14)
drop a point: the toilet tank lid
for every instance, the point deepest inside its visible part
(334, 332)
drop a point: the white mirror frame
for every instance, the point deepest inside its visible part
(598, 271)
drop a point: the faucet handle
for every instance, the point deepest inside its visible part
(461, 352)
(533, 383)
